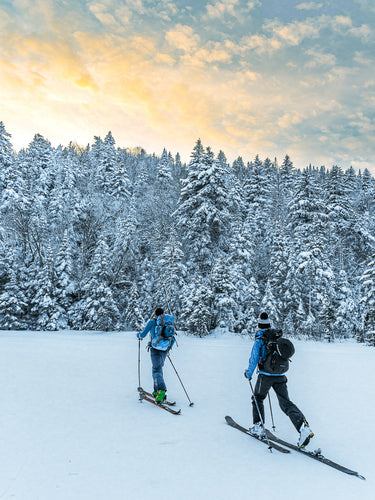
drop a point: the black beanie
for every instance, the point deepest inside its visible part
(263, 321)
(159, 311)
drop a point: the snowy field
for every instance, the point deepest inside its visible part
(72, 427)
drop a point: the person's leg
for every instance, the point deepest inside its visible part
(262, 386)
(157, 359)
(289, 408)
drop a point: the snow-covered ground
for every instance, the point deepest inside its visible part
(72, 427)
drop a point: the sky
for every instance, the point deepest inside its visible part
(248, 77)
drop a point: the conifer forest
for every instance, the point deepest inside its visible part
(94, 238)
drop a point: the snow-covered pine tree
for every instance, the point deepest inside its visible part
(257, 191)
(269, 304)
(203, 212)
(368, 302)
(307, 222)
(64, 284)
(171, 276)
(6, 158)
(44, 306)
(224, 307)
(133, 313)
(13, 304)
(239, 169)
(278, 268)
(287, 178)
(346, 312)
(340, 216)
(196, 314)
(98, 308)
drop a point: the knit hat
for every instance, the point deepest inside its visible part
(263, 321)
(159, 311)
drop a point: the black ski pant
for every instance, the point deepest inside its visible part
(278, 383)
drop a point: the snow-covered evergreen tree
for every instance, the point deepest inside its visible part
(196, 314)
(133, 313)
(171, 276)
(12, 305)
(204, 209)
(6, 158)
(368, 302)
(307, 221)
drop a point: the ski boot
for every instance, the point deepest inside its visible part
(160, 397)
(305, 434)
(257, 430)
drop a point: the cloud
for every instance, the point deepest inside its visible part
(183, 38)
(364, 32)
(319, 58)
(220, 9)
(282, 35)
(156, 75)
(276, 35)
(253, 4)
(309, 6)
(99, 11)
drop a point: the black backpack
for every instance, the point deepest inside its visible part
(278, 352)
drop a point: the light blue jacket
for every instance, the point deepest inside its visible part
(159, 344)
(150, 327)
(258, 353)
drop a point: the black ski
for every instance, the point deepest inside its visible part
(316, 455)
(144, 397)
(165, 402)
(234, 424)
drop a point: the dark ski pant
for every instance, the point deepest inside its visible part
(278, 383)
(158, 359)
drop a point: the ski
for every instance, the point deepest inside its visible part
(316, 455)
(169, 403)
(144, 397)
(234, 424)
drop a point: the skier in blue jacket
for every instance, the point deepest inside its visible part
(158, 354)
(278, 382)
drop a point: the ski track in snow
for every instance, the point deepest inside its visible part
(72, 426)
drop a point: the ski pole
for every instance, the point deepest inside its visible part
(273, 423)
(139, 364)
(260, 416)
(191, 404)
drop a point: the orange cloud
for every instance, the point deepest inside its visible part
(72, 77)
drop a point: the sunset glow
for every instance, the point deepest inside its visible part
(248, 77)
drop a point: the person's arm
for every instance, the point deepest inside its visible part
(148, 327)
(254, 359)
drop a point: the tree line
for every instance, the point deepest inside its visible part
(94, 238)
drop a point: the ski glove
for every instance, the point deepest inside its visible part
(245, 375)
(139, 336)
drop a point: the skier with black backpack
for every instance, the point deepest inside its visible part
(162, 334)
(271, 353)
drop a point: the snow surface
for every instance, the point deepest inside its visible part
(72, 427)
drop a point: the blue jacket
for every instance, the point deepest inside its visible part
(159, 344)
(258, 353)
(150, 327)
